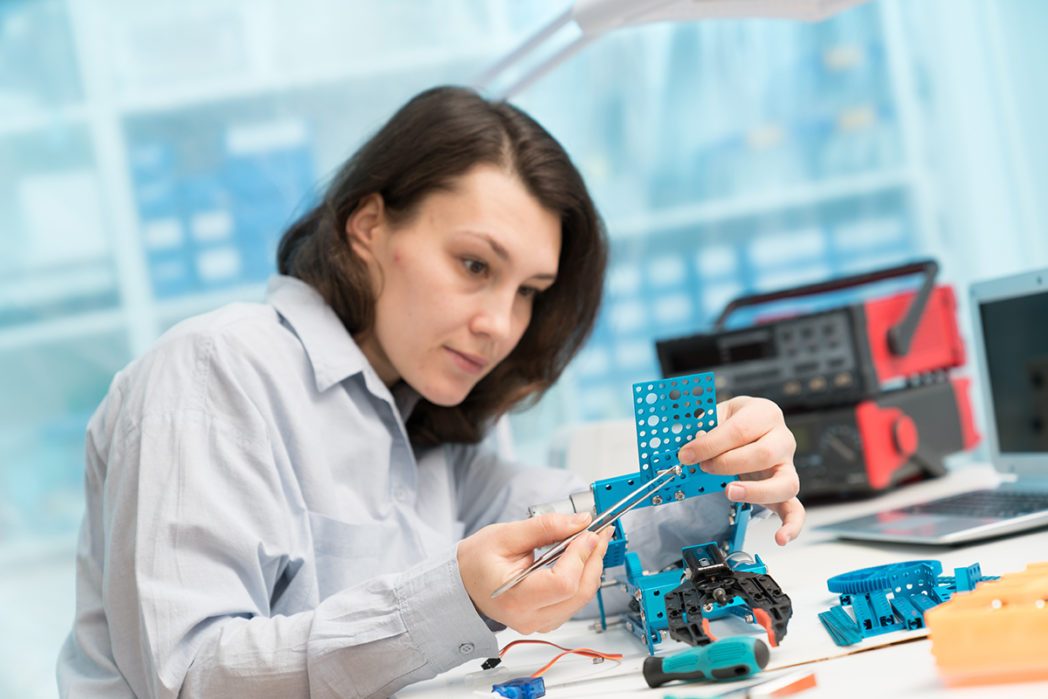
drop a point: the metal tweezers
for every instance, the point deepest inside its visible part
(609, 517)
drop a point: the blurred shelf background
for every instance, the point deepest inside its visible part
(143, 182)
(152, 154)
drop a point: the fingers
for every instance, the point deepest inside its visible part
(775, 447)
(741, 420)
(525, 536)
(489, 557)
(548, 597)
(752, 442)
(791, 513)
(780, 485)
(589, 576)
(555, 584)
(553, 615)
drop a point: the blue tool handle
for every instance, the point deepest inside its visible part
(725, 659)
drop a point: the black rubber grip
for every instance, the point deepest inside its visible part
(655, 677)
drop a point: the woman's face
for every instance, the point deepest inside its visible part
(455, 285)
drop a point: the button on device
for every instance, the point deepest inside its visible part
(466, 648)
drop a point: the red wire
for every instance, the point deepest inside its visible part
(587, 652)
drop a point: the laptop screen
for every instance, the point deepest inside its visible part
(1015, 336)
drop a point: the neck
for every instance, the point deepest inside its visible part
(377, 358)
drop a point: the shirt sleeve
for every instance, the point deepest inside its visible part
(490, 489)
(196, 523)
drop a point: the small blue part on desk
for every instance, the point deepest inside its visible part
(521, 688)
(892, 597)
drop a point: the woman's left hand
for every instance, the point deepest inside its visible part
(751, 441)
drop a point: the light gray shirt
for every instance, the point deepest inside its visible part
(258, 523)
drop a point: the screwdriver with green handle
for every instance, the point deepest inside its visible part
(725, 659)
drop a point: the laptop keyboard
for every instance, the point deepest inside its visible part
(1001, 504)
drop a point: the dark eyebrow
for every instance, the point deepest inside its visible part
(501, 251)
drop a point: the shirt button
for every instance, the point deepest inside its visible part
(466, 648)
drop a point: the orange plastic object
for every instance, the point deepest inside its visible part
(996, 633)
(764, 619)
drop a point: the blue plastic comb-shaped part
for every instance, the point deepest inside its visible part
(885, 617)
(910, 615)
(965, 579)
(841, 627)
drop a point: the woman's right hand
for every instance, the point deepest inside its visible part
(546, 598)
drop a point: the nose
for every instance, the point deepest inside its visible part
(493, 317)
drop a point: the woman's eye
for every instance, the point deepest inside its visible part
(474, 267)
(529, 292)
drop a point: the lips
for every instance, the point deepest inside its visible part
(471, 363)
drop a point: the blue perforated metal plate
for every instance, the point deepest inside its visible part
(667, 414)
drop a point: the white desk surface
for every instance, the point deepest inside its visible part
(801, 569)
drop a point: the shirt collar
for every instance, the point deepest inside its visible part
(332, 352)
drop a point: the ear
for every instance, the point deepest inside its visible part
(365, 225)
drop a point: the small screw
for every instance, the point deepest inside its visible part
(679, 495)
(657, 500)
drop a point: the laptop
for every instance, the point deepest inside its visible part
(1010, 331)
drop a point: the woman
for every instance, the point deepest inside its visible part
(277, 494)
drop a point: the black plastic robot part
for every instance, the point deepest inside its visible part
(712, 582)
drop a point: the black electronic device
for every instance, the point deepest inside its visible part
(881, 442)
(865, 387)
(832, 357)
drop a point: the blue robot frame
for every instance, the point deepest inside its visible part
(668, 413)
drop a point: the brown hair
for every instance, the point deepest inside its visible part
(437, 136)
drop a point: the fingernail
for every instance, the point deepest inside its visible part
(687, 454)
(734, 491)
(582, 517)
